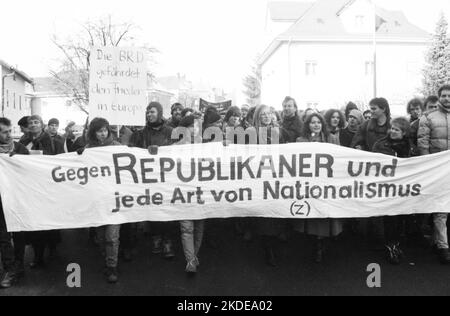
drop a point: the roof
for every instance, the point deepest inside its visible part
(322, 22)
(288, 11)
(17, 71)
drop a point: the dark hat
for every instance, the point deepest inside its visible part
(23, 122)
(211, 116)
(176, 106)
(53, 121)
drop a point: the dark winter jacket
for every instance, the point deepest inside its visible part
(293, 127)
(369, 133)
(45, 143)
(346, 137)
(398, 148)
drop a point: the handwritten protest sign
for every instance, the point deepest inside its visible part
(118, 85)
(115, 185)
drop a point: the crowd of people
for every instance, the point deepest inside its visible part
(424, 130)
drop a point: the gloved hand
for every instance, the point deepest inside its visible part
(80, 151)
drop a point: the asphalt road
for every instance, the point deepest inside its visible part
(236, 268)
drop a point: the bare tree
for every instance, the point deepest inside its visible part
(72, 72)
(252, 84)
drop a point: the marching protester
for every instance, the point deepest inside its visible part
(269, 228)
(348, 108)
(377, 128)
(157, 133)
(191, 231)
(176, 112)
(397, 143)
(335, 120)
(100, 135)
(12, 256)
(232, 118)
(368, 134)
(39, 141)
(431, 103)
(53, 127)
(23, 124)
(69, 137)
(291, 123)
(315, 130)
(355, 119)
(434, 137)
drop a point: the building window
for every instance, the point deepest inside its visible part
(7, 98)
(20, 103)
(14, 100)
(311, 68)
(370, 68)
(359, 20)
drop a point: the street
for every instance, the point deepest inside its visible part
(236, 268)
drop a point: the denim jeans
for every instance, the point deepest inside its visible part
(109, 240)
(440, 230)
(191, 238)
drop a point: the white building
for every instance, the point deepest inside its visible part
(325, 55)
(50, 103)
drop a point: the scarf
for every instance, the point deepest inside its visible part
(155, 125)
(7, 148)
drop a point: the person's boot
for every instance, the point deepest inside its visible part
(191, 267)
(156, 245)
(112, 276)
(319, 251)
(7, 280)
(444, 256)
(168, 252)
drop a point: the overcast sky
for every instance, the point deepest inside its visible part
(215, 40)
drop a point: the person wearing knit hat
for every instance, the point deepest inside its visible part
(39, 141)
(52, 128)
(211, 117)
(233, 117)
(176, 112)
(156, 134)
(355, 120)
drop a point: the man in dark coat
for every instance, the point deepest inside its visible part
(176, 110)
(12, 257)
(292, 125)
(157, 133)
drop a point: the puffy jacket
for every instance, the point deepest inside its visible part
(434, 132)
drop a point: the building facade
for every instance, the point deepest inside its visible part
(339, 51)
(16, 93)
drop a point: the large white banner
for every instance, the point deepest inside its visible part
(116, 185)
(118, 85)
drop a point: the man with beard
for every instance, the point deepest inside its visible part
(292, 124)
(434, 137)
(157, 133)
(175, 120)
(355, 119)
